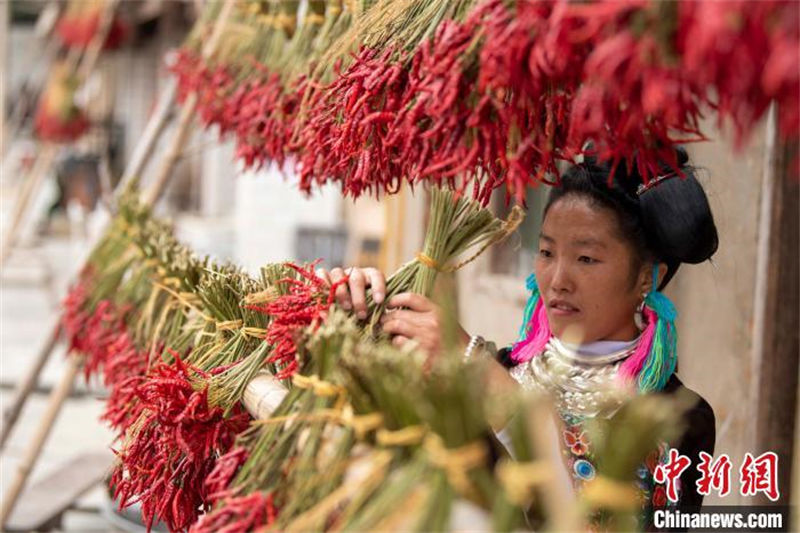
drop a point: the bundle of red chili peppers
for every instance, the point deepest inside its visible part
(176, 455)
(500, 97)
(58, 118)
(174, 446)
(241, 514)
(77, 27)
(305, 304)
(100, 335)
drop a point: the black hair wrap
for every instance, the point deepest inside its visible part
(670, 222)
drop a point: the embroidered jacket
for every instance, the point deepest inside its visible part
(699, 435)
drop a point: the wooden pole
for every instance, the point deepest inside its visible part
(173, 152)
(17, 112)
(144, 148)
(47, 155)
(141, 154)
(187, 113)
(776, 319)
(30, 188)
(263, 395)
(92, 54)
(27, 384)
(60, 393)
(5, 30)
(32, 452)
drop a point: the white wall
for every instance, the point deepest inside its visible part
(269, 208)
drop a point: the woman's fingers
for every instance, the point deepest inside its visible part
(415, 318)
(377, 281)
(353, 294)
(342, 293)
(358, 292)
(399, 340)
(408, 326)
(415, 302)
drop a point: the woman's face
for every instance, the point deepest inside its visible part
(585, 272)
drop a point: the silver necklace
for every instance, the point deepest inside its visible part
(581, 385)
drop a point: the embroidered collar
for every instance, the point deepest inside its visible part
(594, 353)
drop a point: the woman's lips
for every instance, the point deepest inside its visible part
(559, 308)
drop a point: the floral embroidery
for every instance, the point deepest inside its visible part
(579, 460)
(576, 440)
(659, 496)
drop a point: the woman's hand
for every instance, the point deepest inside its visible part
(353, 294)
(413, 317)
(409, 317)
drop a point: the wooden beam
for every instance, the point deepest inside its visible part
(776, 349)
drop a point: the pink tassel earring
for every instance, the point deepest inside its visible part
(535, 330)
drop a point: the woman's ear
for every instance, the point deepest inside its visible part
(646, 276)
(662, 271)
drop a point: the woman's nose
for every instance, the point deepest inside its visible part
(561, 280)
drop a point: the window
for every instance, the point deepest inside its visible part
(514, 257)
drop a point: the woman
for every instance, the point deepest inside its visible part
(596, 322)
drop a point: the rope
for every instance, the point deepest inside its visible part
(428, 261)
(228, 325)
(334, 8)
(261, 297)
(509, 226)
(456, 462)
(171, 280)
(319, 416)
(247, 331)
(519, 479)
(192, 303)
(286, 22)
(186, 296)
(320, 387)
(361, 424)
(254, 8)
(610, 493)
(315, 18)
(256, 333)
(131, 230)
(408, 436)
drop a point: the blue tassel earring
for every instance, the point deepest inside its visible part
(656, 356)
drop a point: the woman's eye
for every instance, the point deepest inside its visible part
(587, 259)
(545, 253)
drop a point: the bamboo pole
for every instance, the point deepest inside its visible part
(30, 188)
(27, 384)
(60, 393)
(263, 395)
(5, 28)
(187, 113)
(141, 154)
(17, 111)
(47, 155)
(173, 152)
(144, 149)
(92, 54)
(32, 452)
